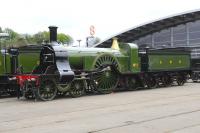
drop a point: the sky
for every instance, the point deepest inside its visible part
(74, 17)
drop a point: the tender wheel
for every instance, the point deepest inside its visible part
(77, 88)
(151, 82)
(166, 80)
(195, 77)
(107, 79)
(180, 80)
(132, 83)
(47, 90)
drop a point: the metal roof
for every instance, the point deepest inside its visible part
(134, 33)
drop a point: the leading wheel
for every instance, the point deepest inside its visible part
(107, 78)
(47, 90)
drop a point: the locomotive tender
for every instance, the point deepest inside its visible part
(76, 70)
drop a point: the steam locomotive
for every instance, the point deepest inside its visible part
(52, 69)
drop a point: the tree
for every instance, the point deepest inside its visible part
(40, 37)
(16, 39)
(44, 36)
(12, 34)
(64, 38)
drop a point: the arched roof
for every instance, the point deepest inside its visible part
(134, 33)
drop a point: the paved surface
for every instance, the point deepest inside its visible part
(172, 110)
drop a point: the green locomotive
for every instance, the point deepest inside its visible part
(46, 71)
(101, 70)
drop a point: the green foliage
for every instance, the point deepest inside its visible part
(17, 40)
(44, 37)
(64, 38)
(12, 34)
(41, 37)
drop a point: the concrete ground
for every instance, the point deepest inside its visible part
(171, 110)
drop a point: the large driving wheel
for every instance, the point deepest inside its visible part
(107, 79)
(77, 88)
(47, 90)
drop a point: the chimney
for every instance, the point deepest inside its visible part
(53, 33)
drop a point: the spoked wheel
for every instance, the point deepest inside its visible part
(180, 80)
(195, 77)
(77, 88)
(166, 80)
(47, 90)
(151, 82)
(107, 79)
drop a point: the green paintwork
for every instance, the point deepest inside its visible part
(28, 61)
(134, 59)
(124, 64)
(169, 62)
(29, 57)
(84, 58)
(130, 62)
(2, 64)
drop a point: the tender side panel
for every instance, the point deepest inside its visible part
(168, 62)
